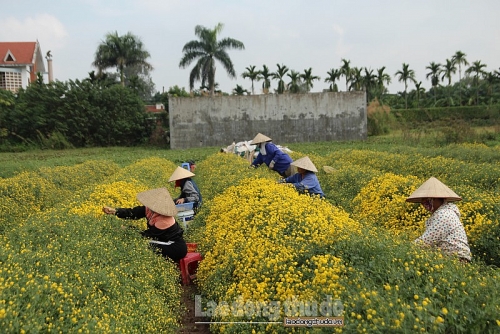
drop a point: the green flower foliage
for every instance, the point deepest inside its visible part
(65, 267)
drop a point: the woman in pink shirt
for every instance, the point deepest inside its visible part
(443, 228)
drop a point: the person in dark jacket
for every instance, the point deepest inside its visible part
(162, 228)
(272, 156)
(190, 193)
(305, 180)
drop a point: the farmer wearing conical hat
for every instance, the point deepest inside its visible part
(189, 190)
(159, 210)
(443, 229)
(305, 180)
(271, 155)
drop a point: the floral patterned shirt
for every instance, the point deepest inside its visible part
(444, 230)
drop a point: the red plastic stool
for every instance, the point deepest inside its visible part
(189, 264)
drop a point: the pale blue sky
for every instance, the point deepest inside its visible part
(296, 33)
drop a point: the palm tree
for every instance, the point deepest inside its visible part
(476, 68)
(121, 52)
(497, 73)
(447, 70)
(459, 58)
(369, 82)
(252, 74)
(239, 90)
(280, 74)
(491, 79)
(356, 79)
(405, 75)
(418, 91)
(333, 75)
(265, 76)
(205, 90)
(345, 70)
(294, 84)
(205, 51)
(308, 78)
(434, 71)
(382, 80)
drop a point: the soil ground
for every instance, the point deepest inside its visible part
(189, 320)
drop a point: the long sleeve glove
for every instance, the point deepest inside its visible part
(271, 165)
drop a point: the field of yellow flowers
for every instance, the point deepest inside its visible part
(269, 252)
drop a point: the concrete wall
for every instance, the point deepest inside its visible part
(286, 118)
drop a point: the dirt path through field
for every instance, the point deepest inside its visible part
(189, 320)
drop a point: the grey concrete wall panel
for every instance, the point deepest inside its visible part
(286, 118)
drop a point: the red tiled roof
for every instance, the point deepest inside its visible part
(153, 108)
(23, 52)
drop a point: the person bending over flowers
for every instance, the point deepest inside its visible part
(272, 156)
(163, 230)
(305, 180)
(443, 228)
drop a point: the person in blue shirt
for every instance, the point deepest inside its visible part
(272, 156)
(305, 180)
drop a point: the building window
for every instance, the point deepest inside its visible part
(10, 81)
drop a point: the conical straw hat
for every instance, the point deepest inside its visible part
(433, 188)
(260, 138)
(179, 174)
(159, 201)
(328, 169)
(305, 163)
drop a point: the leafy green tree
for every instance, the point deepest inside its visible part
(79, 114)
(434, 71)
(121, 52)
(178, 92)
(252, 74)
(266, 77)
(477, 71)
(308, 78)
(7, 105)
(205, 51)
(280, 75)
(459, 59)
(140, 79)
(345, 70)
(404, 75)
(39, 112)
(333, 76)
(295, 82)
(102, 79)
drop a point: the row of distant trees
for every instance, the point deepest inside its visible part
(475, 85)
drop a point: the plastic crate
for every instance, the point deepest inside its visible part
(184, 207)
